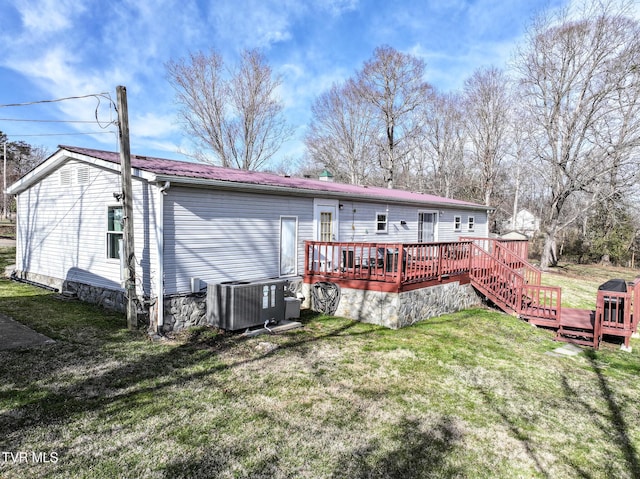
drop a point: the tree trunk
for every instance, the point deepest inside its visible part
(549, 255)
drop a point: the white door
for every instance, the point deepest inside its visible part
(326, 220)
(325, 225)
(426, 227)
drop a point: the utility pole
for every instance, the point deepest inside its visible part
(4, 181)
(127, 205)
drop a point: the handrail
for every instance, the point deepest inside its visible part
(531, 274)
(519, 247)
(613, 311)
(502, 283)
(399, 263)
(496, 279)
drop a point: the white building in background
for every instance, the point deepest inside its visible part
(525, 223)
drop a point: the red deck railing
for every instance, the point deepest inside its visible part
(514, 253)
(511, 290)
(498, 269)
(617, 313)
(397, 263)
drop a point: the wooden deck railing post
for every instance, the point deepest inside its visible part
(399, 268)
(306, 258)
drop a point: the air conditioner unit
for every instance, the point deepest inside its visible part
(242, 304)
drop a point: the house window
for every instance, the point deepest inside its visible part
(115, 218)
(382, 223)
(326, 226)
(457, 223)
(471, 223)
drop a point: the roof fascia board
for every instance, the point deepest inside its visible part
(61, 157)
(304, 192)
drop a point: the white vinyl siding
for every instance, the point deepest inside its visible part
(62, 229)
(223, 235)
(356, 223)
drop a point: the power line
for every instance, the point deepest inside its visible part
(63, 134)
(97, 96)
(48, 121)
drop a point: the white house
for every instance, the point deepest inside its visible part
(200, 221)
(524, 222)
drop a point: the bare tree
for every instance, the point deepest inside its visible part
(392, 83)
(486, 108)
(444, 139)
(341, 133)
(580, 78)
(233, 113)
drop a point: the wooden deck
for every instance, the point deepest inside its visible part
(497, 269)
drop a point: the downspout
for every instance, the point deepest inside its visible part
(162, 191)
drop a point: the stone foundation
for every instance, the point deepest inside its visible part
(107, 298)
(397, 310)
(182, 311)
(111, 299)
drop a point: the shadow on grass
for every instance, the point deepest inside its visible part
(417, 453)
(516, 431)
(120, 387)
(613, 424)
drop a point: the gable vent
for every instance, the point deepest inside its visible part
(83, 175)
(65, 177)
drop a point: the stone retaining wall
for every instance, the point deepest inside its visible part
(397, 310)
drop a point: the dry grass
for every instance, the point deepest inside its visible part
(580, 282)
(467, 395)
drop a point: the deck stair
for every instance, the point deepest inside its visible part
(513, 285)
(578, 326)
(498, 269)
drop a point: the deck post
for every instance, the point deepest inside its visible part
(399, 267)
(306, 257)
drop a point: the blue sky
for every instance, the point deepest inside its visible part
(52, 49)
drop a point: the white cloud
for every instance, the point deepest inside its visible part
(42, 17)
(152, 125)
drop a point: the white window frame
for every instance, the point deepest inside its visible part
(471, 223)
(384, 223)
(436, 221)
(295, 246)
(109, 233)
(457, 223)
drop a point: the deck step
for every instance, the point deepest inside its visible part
(575, 340)
(576, 335)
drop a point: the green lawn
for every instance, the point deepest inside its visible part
(472, 394)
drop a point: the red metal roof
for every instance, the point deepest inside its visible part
(161, 166)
